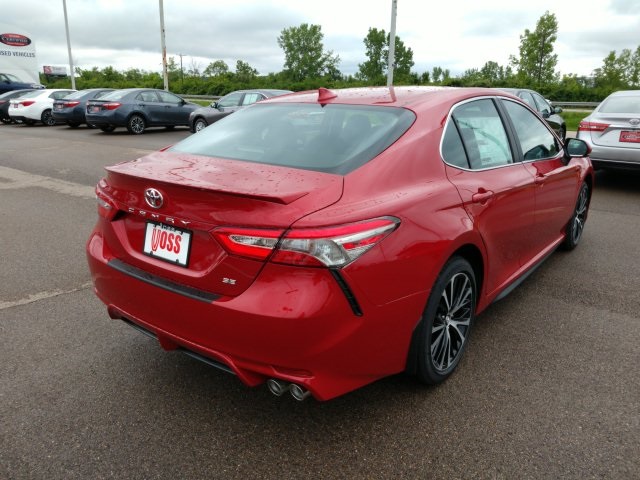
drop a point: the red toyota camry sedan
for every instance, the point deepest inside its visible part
(322, 240)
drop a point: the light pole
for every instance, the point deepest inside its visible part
(66, 26)
(392, 43)
(164, 48)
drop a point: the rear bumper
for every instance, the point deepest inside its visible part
(292, 323)
(612, 156)
(65, 116)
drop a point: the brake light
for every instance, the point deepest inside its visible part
(318, 247)
(111, 106)
(106, 208)
(71, 104)
(592, 127)
(26, 103)
(247, 242)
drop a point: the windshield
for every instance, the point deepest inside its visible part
(329, 138)
(10, 76)
(621, 104)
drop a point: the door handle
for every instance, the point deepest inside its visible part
(540, 178)
(482, 197)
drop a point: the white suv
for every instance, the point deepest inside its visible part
(36, 106)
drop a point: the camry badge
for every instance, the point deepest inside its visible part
(153, 197)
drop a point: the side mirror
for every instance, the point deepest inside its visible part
(214, 105)
(576, 148)
(557, 110)
(545, 114)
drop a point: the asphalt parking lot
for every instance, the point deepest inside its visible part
(549, 386)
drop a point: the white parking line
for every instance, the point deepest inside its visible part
(11, 178)
(42, 296)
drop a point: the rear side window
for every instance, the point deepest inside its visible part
(535, 139)
(330, 138)
(147, 97)
(452, 149)
(250, 98)
(483, 134)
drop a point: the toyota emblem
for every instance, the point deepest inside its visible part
(153, 197)
(634, 122)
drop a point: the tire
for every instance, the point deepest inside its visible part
(575, 227)
(446, 322)
(107, 128)
(199, 124)
(47, 118)
(136, 124)
(6, 121)
(73, 124)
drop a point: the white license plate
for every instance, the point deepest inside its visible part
(167, 243)
(93, 109)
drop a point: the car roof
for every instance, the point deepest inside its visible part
(409, 97)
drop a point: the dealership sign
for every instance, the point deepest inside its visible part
(15, 39)
(18, 53)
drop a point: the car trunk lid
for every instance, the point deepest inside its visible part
(201, 194)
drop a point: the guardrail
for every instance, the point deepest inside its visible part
(209, 98)
(585, 105)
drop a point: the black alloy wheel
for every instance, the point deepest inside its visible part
(447, 321)
(47, 118)
(575, 227)
(136, 124)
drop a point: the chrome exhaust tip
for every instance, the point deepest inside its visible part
(298, 392)
(277, 387)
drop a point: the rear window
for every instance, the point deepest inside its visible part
(33, 94)
(331, 138)
(622, 104)
(116, 95)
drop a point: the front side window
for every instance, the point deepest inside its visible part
(231, 100)
(169, 98)
(543, 105)
(535, 139)
(528, 99)
(483, 134)
(330, 138)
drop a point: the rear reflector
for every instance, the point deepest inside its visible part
(592, 127)
(314, 247)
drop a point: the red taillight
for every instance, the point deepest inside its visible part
(248, 242)
(71, 104)
(106, 208)
(327, 246)
(592, 127)
(26, 103)
(111, 106)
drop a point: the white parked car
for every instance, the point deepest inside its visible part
(36, 106)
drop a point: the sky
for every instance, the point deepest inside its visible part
(452, 34)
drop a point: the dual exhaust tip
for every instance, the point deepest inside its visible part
(278, 388)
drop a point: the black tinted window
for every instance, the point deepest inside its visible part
(535, 139)
(483, 135)
(452, 149)
(330, 138)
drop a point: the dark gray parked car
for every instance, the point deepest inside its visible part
(228, 104)
(138, 108)
(613, 131)
(72, 108)
(543, 107)
(9, 82)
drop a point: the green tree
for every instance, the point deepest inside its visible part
(216, 69)
(304, 53)
(374, 70)
(245, 73)
(537, 62)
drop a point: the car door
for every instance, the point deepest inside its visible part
(496, 190)
(556, 180)
(174, 111)
(149, 104)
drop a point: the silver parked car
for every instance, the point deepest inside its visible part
(613, 131)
